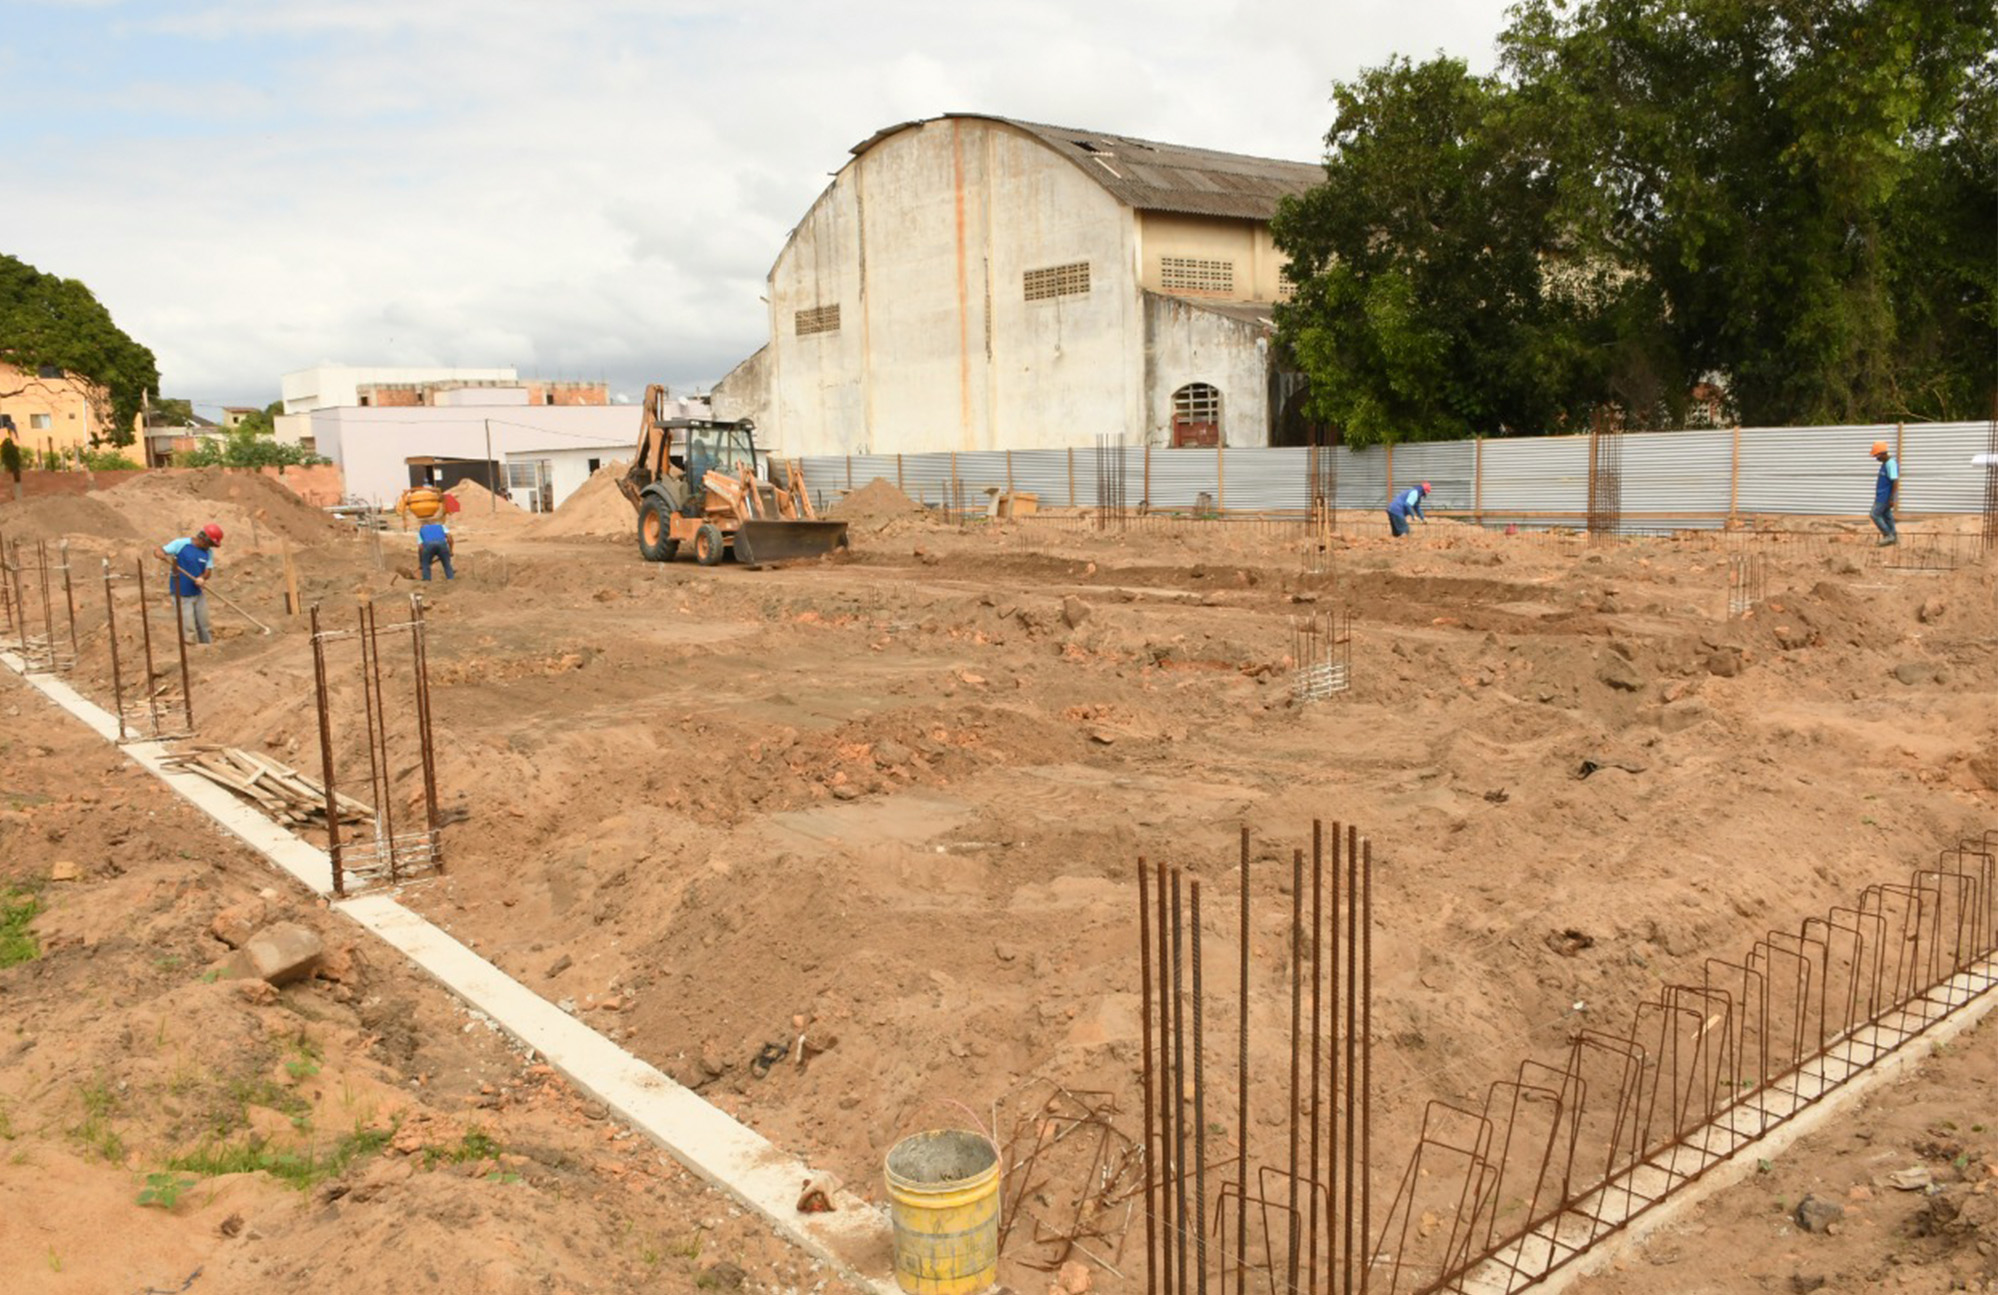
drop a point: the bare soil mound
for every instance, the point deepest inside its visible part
(595, 509)
(248, 505)
(481, 509)
(63, 516)
(877, 501)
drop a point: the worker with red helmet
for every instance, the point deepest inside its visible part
(1407, 503)
(191, 558)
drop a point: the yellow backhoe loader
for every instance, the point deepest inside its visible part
(698, 481)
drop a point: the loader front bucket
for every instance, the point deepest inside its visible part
(758, 542)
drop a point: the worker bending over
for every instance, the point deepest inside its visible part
(1406, 503)
(191, 558)
(433, 541)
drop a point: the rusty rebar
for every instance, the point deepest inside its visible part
(1317, 920)
(48, 602)
(1332, 1168)
(180, 639)
(111, 632)
(1353, 1166)
(146, 633)
(1199, 1105)
(326, 754)
(1296, 1041)
(1179, 1076)
(1145, 997)
(1366, 1095)
(420, 664)
(1242, 1087)
(1167, 1099)
(69, 604)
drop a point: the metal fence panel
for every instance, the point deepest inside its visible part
(1675, 473)
(1809, 470)
(1045, 474)
(1937, 475)
(1363, 483)
(1448, 467)
(1180, 477)
(1267, 480)
(1541, 474)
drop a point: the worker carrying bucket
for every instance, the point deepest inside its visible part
(944, 1192)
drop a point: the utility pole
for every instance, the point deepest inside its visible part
(492, 471)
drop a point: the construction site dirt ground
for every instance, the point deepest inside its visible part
(893, 804)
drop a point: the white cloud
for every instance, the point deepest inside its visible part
(589, 189)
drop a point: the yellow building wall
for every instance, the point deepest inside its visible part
(1244, 245)
(74, 409)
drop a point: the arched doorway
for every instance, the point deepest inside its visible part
(1196, 416)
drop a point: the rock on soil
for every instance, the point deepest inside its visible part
(280, 954)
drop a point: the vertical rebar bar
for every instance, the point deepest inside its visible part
(1242, 1093)
(1332, 1172)
(326, 754)
(1353, 993)
(1167, 1099)
(180, 638)
(1366, 1061)
(146, 638)
(1296, 1023)
(1179, 1077)
(1145, 997)
(1199, 1105)
(111, 631)
(378, 740)
(1317, 925)
(69, 603)
(420, 659)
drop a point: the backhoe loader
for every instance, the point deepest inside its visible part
(696, 481)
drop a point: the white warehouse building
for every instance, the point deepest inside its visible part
(975, 283)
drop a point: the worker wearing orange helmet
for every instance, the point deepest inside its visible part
(1883, 493)
(191, 558)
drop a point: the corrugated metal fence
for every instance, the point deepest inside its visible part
(1670, 479)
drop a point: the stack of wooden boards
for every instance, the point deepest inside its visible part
(285, 794)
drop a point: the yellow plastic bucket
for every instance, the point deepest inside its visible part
(943, 1188)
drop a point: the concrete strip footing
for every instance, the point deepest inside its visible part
(853, 1237)
(1837, 1087)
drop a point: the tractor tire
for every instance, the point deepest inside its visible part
(709, 546)
(655, 530)
(744, 554)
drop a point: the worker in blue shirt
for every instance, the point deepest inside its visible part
(433, 543)
(1405, 503)
(1883, 493)
(191, 558)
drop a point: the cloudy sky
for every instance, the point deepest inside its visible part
(584, 189)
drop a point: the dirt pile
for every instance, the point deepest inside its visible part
(596, 509)
(879, 501)
(481, 509)
(249, 506)
(64, 516)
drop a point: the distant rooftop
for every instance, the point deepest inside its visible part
(1151, 176)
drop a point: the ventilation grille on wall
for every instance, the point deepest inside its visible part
(1058, 281)
(1193, 274)
(819, 319)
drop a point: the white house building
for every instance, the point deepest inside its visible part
(973, 282)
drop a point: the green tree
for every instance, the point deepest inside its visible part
(1796, 180)
(171, 411)
(264, 421)
(1794, 201)
(46, 320)
(245, 449)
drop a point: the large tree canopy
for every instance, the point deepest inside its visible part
(47, 320)
(1794, 201)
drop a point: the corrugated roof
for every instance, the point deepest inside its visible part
(1152, 176)
(1259, 313)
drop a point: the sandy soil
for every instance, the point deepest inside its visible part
(414, 1149)
(898, 797)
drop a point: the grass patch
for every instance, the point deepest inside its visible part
(18, 907)
(302, 1167)
(95, 1131)
(475, 1145)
